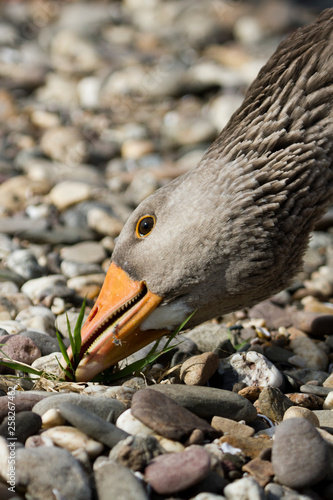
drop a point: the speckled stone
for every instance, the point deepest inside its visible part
(273, 403)
(174, 472)
(299, 454)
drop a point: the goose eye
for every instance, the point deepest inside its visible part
(145, 225)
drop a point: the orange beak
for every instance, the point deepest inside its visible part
(112, 330)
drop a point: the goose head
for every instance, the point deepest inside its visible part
(233, 230)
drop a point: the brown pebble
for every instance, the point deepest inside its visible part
(273, 403)
(310, 401)
(250, 446)
(251, 393)
(197, 370)
(227, 426)
(261, 470)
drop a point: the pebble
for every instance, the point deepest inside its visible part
(176, 472)
(249, 446)
(328, 403)
(102, 407)
(261, 470)
(113, 480)
(197, 370)
(36, 288)
(91, 418)
(24, 263)
(251, 368)
(227, 426)
(165, 416)
(299, 454)
(19, 348)
(273, 403)
(24, 401)
(88, 252)
(73, 440)
(299, 412)
(27, 423)
(245, 488)
(136, 452)
(207, 402)
(325, 418)
(68, 193)
(303, 346)
(58, 471)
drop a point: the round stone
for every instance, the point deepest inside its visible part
(299, 455)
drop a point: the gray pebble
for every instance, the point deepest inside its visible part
(27, 423)
(207, 402)
(45, 470)
(43, 341)
(91, 424)
(102, 407)
(299, 455)
(114, 481)
(136, 452)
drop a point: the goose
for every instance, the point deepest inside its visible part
(233, 230)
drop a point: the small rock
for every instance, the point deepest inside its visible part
(20, 349)
(166, 417)
(299, 454)
(136, 452)
(261, 470)
(310, 401)
(135, 148)
(328, 403)
(197, 370)
(57, 471)
(325, 418)
(36, 288)
(250, 446)
(43, 341)
(128, 423)
(251, 393)
(208, 336)
(299, 412)
(24, 263)
(85, 418)
(102, 407)
(87, 286)
(227, 426)
(174, 472)
(251, 368)
(103, 223)
(64, 144)
(245, 488)
(303, 346)
(52, 418)
(273, 403)
(89, 252)
(315, 324)
(72, 439)
(67, 193)
(207, 402)
(27, 423)
(116, 481)
(24, 401)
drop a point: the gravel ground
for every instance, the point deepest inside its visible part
(102, 103)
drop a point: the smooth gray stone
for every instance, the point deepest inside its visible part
(43, 470)
(316, 389)
(114, 481)
(307, 374)
(300, 456)
(325, 418)
(92, 425)
(45, 342)
(106, 408)
(207, 402)
(27, 423)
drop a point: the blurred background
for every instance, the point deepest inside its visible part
(102, 102)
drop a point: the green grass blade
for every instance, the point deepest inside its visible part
(63, 349)
(17, 365)
(77, 329)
